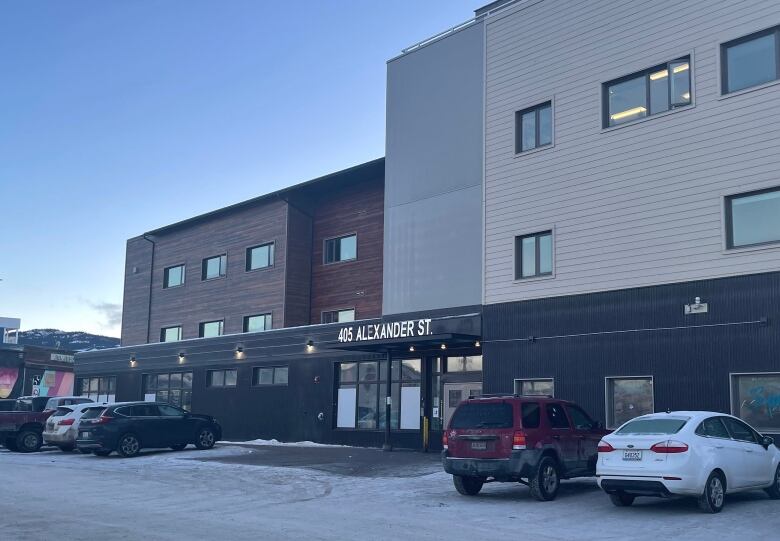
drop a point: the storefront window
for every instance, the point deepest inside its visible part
(535, 387)
(174, 388)
(756, 400)
(437, 409)
(471, 363)
(100, 389)
(628, 398)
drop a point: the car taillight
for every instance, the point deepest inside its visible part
(103, 420)
(605, 447)
(445, 441)
(66, 422)
(669, 446)
(518, 440)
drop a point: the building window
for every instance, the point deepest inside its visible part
(648, 92)
(628, 398)
(99, 389)
(214, 267)
(222, 378)
(209, 329)
(259, 322)
(269, 375)
(756, 400)
(174, 388)
(260, 257)
(753, 218)
(339, 316)
(173, 276)
(170, 334)
(750, 61)
(533, 127)
(533, 255)
(535, 387)
(341, 249)
(465, 363)
(362, 388)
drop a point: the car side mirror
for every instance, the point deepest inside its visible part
(766, 441)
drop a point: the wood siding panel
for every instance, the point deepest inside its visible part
(135, 304)
(298, 282)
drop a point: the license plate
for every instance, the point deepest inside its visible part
(632, 455)
(86, 434)
(479, 445)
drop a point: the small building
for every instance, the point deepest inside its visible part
(35, 371)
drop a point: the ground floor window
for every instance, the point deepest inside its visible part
(464, 363)
(222, 378)
(535, 387)
(99, 389)
(173, 387)
(269, 375)
(756, 400)
(628, 397)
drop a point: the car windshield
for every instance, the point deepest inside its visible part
(653, 426)
(59, 412)
(486, 415)
(93, 413)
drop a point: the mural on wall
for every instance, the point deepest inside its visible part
(53, 383)
(8, 377)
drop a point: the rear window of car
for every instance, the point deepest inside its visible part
(92, 413)
(59, 412)
(485, 415)
(530, 412)
(653, 426)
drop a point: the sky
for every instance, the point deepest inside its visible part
(118, 117)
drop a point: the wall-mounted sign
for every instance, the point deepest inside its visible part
(62, 358)
(382, 331)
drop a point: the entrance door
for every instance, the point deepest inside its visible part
(455, 393)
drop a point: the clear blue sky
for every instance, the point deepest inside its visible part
(117, 117)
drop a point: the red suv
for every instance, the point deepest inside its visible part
(534, 440)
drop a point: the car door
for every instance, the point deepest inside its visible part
(148, 425)
(587, 438)
(173, 422)
(563, 438)
(727, 453)
(757, 460)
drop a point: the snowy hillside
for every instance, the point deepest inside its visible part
(75, 340)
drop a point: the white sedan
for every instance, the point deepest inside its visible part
(687, 453)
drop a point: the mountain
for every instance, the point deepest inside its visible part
(75, 340)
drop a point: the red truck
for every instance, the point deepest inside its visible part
(21, 429)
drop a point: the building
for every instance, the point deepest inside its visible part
(9, 330)
(35, 371)
(561, 210)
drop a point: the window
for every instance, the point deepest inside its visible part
(556, 416)
(214, 267)
(579, 418)
(648, 92)
(666, 426)
(260, 322)
(740, 431)
(339, 316)
(269, 375)
(533, 255)
(222, 378)
(713, 428)
(341, 249)
(210, 329)
(173, 276)
(756, 400)
(753, 218)
(173, 387)
(535, 387)
(99, 389)
(170, 334)
(628, 398)
(750, 61)
(260, 257)
(143, 410)
(531, 414)
(170, 411)
(485, 415)
(533, 127)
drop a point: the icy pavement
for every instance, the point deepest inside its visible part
(167, 495)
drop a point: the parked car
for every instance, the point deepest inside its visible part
(7, 404)
(687, 453)
(56, 401)
(21, 429)
(62, 427)
(129, 427)
(533, 440)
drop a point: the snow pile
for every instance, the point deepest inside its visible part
(277, 443)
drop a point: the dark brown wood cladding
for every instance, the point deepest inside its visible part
(136, 295)
(298, 284)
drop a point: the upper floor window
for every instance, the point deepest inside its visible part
(533, 255)
(260, 257)
(170, 334)
(648, 92)
(338, 316)
(753, 218)
(214, 267)
(750, 61)
(260, 322)
(341, 249)
(533, 127)
(209, 329)
(173, 276)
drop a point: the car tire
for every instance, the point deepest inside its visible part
(546, 480)
(713, 498)
(468, 486)
(774, 490)
(205, 439)
(101, 453)
(129, 445)
(28, 441)
(621, 499)
(10, 444)
(178, 447)
(67, 448)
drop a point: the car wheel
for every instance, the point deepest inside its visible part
(546, 480)
(774, 490)
(178, 447)
(129, 446)
(206, 439)
(100, 453)
(468, 486)
(713, 498)
(621, 499)
(28, 441)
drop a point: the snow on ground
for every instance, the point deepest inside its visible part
(277, 443)
(170, 496)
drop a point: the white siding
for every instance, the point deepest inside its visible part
(635, 205)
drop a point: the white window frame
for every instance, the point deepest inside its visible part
(517, 381)
(732, 375)
(609, 421)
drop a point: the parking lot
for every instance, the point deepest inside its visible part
(282, 492)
